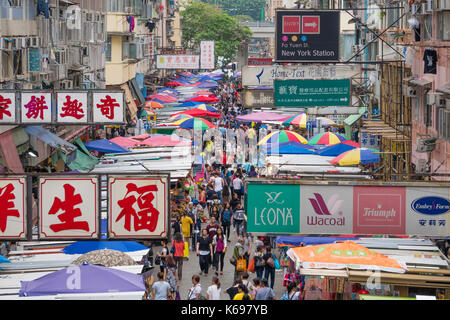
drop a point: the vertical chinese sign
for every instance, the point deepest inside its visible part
(72, 107)
(13, 208)
(207, 55)
(68, 207)
(108, 107)
(138, 207)
(7, 107)
(36, 107)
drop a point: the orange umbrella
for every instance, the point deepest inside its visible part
(153, 104)
(341, 255)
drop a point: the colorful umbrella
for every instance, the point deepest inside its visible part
(298, 120)
(335, 149)
(125, 142)
(341, 255)
(153, 105)
(203, 93)
(206, 107)
(326, 122)
(327, 138)
(351, 143)
(163, 97)
(204, 99)
(282, 136)
(166, 141)
(179, 117)
(196, 112)
(194, 123)
(356, 156)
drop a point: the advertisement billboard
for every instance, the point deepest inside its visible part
(184, 62)
(258, 98)
(307, 36)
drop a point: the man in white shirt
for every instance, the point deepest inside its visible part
(218, 185)
(237, 186)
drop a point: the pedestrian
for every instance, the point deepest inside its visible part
(161, 288)
(148, 282)
(220, 245)
(233, 290)
(259, 261)
(269, 266)
(291, 293)
(237, 186)
(256, 286)
(214, 213)
(204, 252)
(178, 253)
(170, 276)
(162, 255)
(186, 223)
(242, 294)
(225, 217)
(246, 282)
(238, 218)
(219, 184)
(238, 253)
(252, 173)
(213, 292)
(195, 292)
(234, 201)
(265, 293)
(176, 226)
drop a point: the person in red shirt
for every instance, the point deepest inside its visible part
(178, 252)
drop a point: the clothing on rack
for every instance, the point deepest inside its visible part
(430, 61)
(130, 20)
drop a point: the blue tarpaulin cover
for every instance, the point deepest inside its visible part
(106, 146)
(82, 247)
(334, 150)
(3, 259)
(291, 147)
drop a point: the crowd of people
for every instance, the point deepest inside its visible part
(208, 215)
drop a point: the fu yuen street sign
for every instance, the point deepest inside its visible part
(312, 93)
(307, 36)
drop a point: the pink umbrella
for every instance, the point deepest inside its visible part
(165, 140)
(262, 116)
(141, 136)
(125, 142)
(204, 93)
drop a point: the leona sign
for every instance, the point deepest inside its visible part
(280, 208)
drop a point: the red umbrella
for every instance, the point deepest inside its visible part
(204, 93)
(164, 98)
(351, 143)
(174, 84)
(204, 99)
(125, 142)
(165, 140)
(196, 112)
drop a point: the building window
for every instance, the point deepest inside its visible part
(444, 25)
(15, 3)
(428, 115)
(427, 26)
(108, 50)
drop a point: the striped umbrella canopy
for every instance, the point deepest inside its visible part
(326, 122)
(298, 120)
(327, 138)
(206, 107)
(194, 123)
(282, 136)
(355, 157)
(179, 117)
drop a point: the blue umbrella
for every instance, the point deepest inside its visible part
(292, 144)
(106, 146)
(85, 278)
(81, 247)
(289, 148)
(3, 259)
(189, 104)
(335, 150)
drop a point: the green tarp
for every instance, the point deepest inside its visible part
(84, 161)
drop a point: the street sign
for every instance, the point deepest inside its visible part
(307, 36)
(312, 93)
(265, 75)
(184, 62)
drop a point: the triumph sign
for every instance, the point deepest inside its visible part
(306, 207)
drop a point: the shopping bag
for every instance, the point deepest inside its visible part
(251, 266)
(241, 264)
(186, 250)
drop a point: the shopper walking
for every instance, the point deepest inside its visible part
(238, 218)
(161, 288)
(204, 252)
(225, 217)
(269, 266)
(213, 292)
(265, 293)
(177, 251)
(220, 244)
(170, 275)
(195, 292)
(259, 261)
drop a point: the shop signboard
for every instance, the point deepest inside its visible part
(7, 107)
(262, 98)
(265, 75)
(138, 207)
(259, 61)
(13, 207)
(207, 56)
(312, 93)
(273, 208)
(72, 107)
(307, 207)
(36, 107)
(108, 107)
(182, 62)
(307, 36)
(68, 207)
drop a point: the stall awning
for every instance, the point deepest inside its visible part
(350, 120)
(420, 82)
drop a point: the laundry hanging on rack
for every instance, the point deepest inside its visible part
(130, 20)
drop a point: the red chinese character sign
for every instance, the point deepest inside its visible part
(12, 208)
(72, 107)
(108, 107)
(138, 207)
(7, 107)
(36, 107)
(68, 207)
